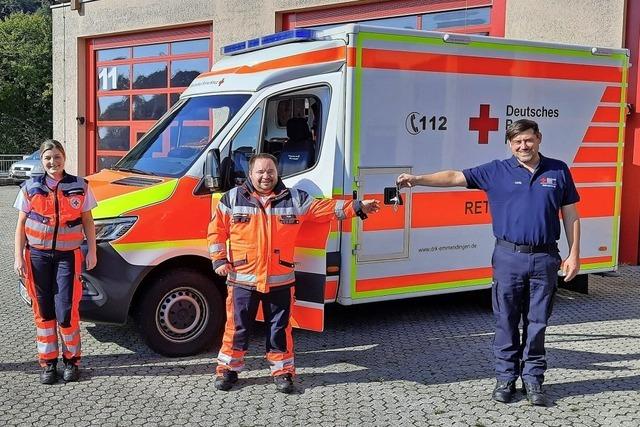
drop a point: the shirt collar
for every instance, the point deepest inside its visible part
(278, 190)
(514, 163)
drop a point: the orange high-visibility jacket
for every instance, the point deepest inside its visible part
(55, 219)
(262, 238)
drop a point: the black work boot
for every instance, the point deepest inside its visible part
(225, 381)
(535, 394)
(504, 391)
(71, 372)
(284, 383)
(49, 374)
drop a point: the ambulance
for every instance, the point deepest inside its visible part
(346, 110)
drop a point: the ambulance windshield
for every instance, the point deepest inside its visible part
(177, 141)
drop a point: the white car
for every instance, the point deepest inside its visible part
(27, 167)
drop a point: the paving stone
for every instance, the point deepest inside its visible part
(421, 362)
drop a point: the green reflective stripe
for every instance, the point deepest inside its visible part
(422, 288)
(130, 247)
(598, 266)
(355, 156)
(618, 195)
(489, 45)
(311, 252)
(118, 205)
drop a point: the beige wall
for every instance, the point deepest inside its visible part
(586, 22)
(240, 20)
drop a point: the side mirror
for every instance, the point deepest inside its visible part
(212, 170)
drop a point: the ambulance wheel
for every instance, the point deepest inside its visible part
(181, 313)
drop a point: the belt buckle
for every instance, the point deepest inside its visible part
(524, 249)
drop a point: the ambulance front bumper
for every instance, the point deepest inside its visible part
(108, 289)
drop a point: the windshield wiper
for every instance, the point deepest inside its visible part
(134, 170)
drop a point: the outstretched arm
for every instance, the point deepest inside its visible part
(322, 210)
(447, 178)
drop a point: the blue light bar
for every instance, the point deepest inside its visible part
(290, 36)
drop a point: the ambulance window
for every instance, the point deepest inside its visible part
(292, 129)
(244, 145)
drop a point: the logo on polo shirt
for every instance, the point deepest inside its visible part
(548, 182)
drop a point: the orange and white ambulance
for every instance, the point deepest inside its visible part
(346, 110)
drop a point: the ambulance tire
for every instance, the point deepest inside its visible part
(181, 313)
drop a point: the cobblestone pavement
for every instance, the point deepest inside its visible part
(418, 362)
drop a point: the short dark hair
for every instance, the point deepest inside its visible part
(255, 157)
(520, 126)
(49, 144)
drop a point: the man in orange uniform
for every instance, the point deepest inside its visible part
(261, 220)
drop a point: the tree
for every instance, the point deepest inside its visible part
(7, 7)
(25, 82)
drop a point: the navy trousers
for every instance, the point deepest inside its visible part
(242, 307)
(54, 273)
(524, 285)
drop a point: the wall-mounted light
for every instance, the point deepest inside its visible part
(80, 120)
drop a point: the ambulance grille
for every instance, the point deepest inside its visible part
(137, 181)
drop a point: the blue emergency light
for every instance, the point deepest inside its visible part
(290, 36)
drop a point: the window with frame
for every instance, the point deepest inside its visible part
(292, 131)
(135, 84)
(288, 126)
(485, 17)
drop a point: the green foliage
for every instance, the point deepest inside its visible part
(25, 81)
(7, 7)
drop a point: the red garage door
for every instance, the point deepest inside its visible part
(133, 79)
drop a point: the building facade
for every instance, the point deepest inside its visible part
(116, 68)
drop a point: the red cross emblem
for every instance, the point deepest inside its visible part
(484, 124)
(75, 202)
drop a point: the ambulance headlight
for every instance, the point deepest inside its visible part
(113, 228)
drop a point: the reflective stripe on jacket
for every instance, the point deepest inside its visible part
(262, 238)
(55, 219)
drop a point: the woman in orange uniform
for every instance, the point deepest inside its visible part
(54, 219)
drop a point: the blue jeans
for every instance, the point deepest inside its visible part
(524, 285)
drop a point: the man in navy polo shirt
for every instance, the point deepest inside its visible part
(526, 192)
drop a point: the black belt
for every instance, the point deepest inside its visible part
(528, 249)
